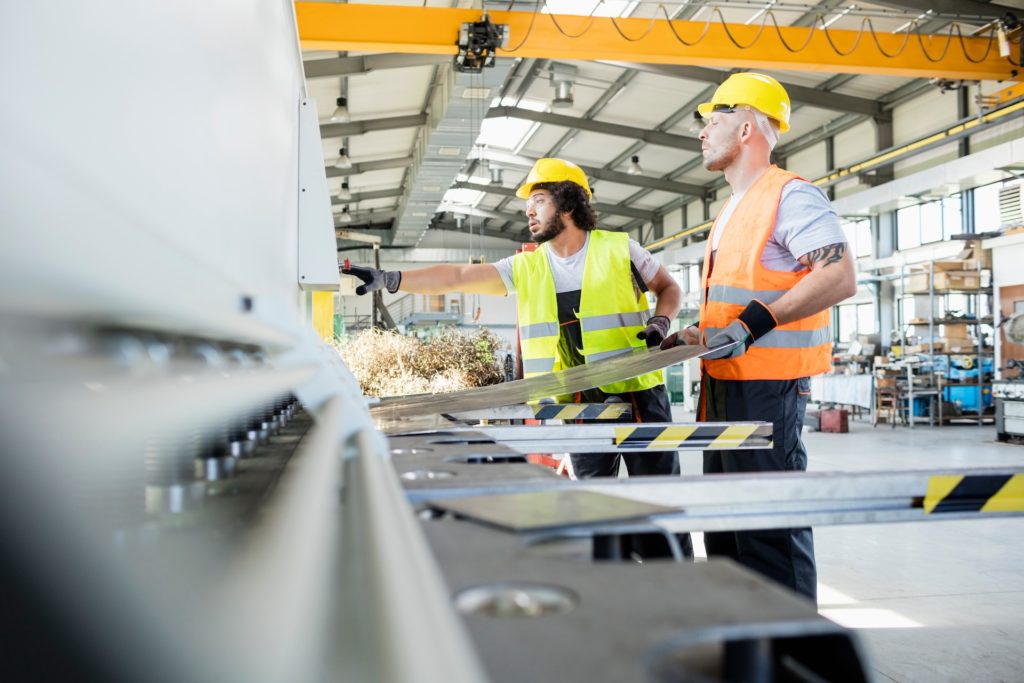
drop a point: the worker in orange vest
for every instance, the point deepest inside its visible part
(776, 261)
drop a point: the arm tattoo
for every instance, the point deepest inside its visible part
(826, 256)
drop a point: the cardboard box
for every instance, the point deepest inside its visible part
(954, 264)
(957, 330)
(956, 345)
(972, 250)
(835, 421)
(957, 279)
(917, 283)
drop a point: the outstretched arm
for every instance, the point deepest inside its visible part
(472, 278)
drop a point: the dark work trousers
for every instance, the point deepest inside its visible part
(785, 555)
(649, 405)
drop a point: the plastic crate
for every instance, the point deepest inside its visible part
(967, 397)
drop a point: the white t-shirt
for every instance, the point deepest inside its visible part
(805, 221)
(568, 271)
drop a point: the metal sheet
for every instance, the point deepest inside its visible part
(550, 509)
(550, 411)
(568, 381)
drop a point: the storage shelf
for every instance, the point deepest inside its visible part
(939, 292)
(978, 301)
(954, 321)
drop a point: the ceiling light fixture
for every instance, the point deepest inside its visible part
(563, 77)
(496, 176)
(345, 216)
(563, 95)
(343, 161)
(634, 166)
(341, 114)
(344, 194)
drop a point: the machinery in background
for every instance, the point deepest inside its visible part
(1009, 393)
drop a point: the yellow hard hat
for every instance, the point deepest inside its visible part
(758, 91)
(554, 171)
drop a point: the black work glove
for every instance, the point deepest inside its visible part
(654, 333)
(754, 322)
(690, 335)
(373, 279)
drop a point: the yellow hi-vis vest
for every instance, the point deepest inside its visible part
(610, 312)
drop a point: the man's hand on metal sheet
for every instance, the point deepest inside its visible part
(755, 321)
(373, 279)
(689, 336)
(656, 330)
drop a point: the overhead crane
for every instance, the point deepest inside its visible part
(435, 30)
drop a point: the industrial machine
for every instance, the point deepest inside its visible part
(193, 488)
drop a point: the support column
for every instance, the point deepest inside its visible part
(883, 228)
(963, 111)
(883, 140)
(830, 162)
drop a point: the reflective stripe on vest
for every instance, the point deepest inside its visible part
(728, 294)
(797, 349)
(613, 321)
(538, 330)
(610, 312)
(537, 366)
(594, 357)
(786, 339)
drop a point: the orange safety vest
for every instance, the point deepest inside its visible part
(798, 349)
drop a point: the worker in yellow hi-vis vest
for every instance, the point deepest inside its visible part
(775, 262)
(581, 298)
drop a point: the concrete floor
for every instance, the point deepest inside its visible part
(935, 601)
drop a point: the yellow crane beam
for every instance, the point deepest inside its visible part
(435, 30)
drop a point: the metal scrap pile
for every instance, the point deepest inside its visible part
(387, 363)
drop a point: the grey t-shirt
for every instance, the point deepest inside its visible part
(568, 272)
(805, 221)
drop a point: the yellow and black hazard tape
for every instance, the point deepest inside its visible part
(581, 411)
(975, 493)
(710, 436)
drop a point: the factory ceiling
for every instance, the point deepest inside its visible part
(429, 148)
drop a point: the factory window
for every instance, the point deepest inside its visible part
(854, 319)
(986, 208)
(908, 227)
(866, 319)
(952, 223)
(929, 222)
(858, 236)
(847, 327)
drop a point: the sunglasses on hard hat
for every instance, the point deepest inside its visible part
(727, 109)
